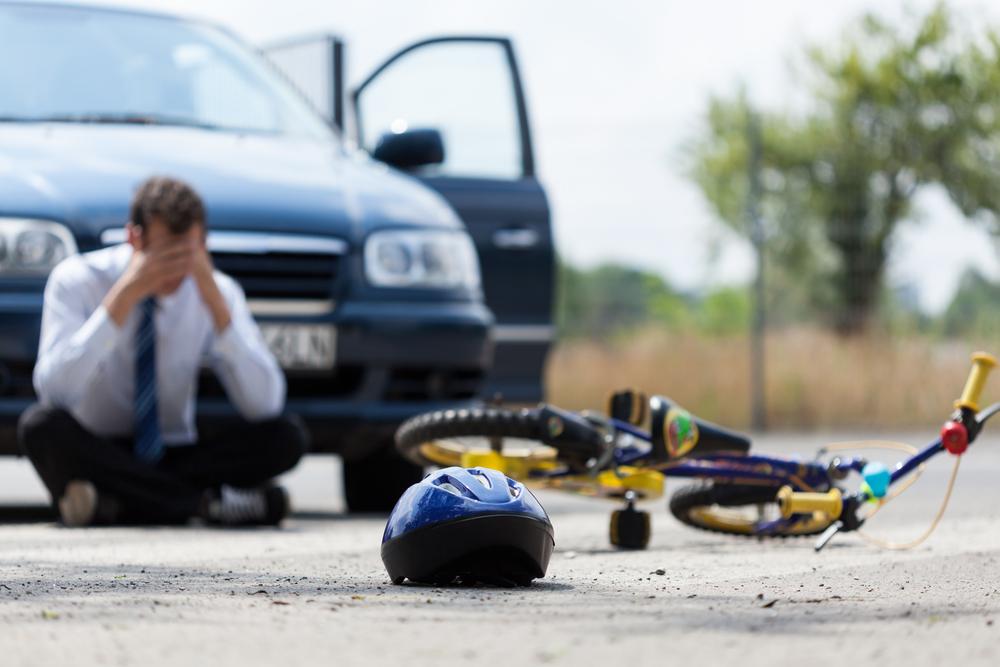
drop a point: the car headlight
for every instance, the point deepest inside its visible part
(33, 247)
(421, 258)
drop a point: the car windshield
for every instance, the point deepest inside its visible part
(74, 64)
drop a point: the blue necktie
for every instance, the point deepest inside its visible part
(148, 440)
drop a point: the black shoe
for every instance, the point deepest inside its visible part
(231, 506)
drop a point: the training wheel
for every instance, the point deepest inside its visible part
(630, 528)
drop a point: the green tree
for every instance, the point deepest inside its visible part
(609, 298)
(724, 311)
(973, 309)
(893, 107)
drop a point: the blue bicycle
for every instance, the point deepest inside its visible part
(629, 453)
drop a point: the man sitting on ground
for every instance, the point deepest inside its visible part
(125, 331)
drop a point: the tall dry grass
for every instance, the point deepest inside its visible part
(814, 379)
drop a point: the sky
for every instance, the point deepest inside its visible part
(615, 90)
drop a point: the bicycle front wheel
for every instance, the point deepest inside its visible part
(739, 509)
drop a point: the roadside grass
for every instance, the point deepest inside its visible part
(814, 379)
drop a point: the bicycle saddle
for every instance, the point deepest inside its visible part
(675, 432)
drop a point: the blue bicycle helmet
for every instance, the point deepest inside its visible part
(467, 526)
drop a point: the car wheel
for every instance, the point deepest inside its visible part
(375, 483)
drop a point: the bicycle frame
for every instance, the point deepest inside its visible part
(734, 468)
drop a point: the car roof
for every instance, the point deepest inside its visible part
(109, 9)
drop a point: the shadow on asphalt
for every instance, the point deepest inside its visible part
(721, 545)
(34, 513)
(539, 585)
(329, 515)
(26, 514)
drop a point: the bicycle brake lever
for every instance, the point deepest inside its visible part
(828, 534)
(607, 456)
(600, 463)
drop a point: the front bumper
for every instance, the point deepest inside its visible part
(394, 360)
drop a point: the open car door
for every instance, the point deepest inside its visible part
(464, 95)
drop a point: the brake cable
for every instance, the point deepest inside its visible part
(910, 481)
(900, 546)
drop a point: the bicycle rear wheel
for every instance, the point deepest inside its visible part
(443, 437)
(738, 509)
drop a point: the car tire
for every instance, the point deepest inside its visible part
(375, 483)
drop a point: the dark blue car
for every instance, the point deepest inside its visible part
(389, 286)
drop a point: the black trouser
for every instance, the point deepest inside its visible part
(170, 491)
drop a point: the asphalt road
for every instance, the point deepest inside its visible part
(315, 592)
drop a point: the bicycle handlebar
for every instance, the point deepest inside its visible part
(982, 364)
(835, 504)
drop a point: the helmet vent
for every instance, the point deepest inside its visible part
(478, 484)
(481, 478)
(451, 488)
(456, 486)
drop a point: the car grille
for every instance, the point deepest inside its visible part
(281, 275)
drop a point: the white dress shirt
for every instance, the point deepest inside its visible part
(86, 362)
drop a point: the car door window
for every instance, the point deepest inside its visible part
(463, 89)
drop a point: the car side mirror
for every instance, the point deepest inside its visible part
(410, 149)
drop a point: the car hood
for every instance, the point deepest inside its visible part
(85, 175)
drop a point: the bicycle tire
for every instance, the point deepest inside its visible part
(693, 506)
(522, 424)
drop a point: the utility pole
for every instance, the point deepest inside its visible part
(758, 405)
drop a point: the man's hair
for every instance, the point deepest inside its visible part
(170, 200)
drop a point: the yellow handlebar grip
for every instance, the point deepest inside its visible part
(790, 502)
(982, 364)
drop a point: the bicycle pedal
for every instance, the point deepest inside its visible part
(828, 534)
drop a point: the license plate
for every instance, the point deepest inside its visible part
(301, 346)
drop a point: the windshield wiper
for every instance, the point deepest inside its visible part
(113, 119)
